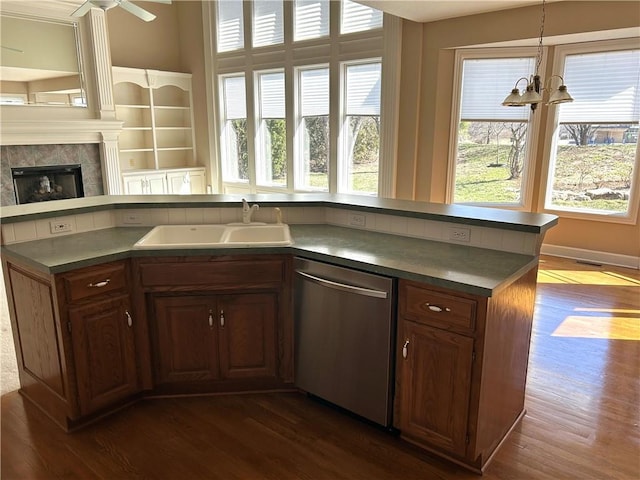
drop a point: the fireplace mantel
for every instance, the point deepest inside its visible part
(59, 132)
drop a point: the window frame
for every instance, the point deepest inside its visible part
(550, 147)
(259, 148)
(528, 174)
(343, 167)
(380, 42)
(298, 134)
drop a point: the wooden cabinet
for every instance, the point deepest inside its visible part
(103, 352)
(138, 183)
(157, 132)
(182, 181)
(461, 367)
(436, 382)
(186, 181)
(215, 337)
(76, 335)
(222, 324)
(248, 336)
(100, 320)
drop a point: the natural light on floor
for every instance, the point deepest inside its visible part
(613, 324)
(586, 278)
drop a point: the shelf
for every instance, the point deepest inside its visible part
(155, 107)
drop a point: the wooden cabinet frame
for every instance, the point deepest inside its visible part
(204, 283)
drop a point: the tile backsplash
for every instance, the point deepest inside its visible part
(481, 237)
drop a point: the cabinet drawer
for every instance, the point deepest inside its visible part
(436, 308)
(95, 281)
(212, 274)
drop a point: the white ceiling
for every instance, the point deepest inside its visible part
(432, 10)
(416, 10)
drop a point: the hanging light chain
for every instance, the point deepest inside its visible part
(539, 55)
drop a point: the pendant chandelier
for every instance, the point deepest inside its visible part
(533, 93)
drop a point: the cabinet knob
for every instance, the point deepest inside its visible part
(129, 319)
(101, 284)
(436, 308)
(210, 318)
(405, 349)
(222, 318)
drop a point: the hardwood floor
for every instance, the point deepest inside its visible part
(582, 422)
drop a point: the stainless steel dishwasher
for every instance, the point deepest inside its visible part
(344, 329)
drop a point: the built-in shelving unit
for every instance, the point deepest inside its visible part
(156, 146)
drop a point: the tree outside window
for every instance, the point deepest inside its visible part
(596, 143)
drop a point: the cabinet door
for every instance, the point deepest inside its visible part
(247, 326)
(104, 352)
(185, 343)
(156, 184)
(435, 382)
(134, 184)
(198, 181)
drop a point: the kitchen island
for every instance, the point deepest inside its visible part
(463, 319)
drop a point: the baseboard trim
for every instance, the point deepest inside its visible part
(593, 256)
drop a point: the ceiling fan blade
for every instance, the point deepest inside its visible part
(84, 8)
(137, 11)
(166, 2)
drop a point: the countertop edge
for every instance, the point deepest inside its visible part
(462, 214)
(491, 287)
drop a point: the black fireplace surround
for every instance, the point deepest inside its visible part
(45, 183)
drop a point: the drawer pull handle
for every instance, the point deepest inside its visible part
(222, 318)
(405, 349)
(210, 318)
(436, 308)
(101, 284)
(129, 319)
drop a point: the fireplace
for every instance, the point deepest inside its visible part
(46, 183)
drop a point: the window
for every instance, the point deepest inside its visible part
(267, 23)
(301, 111)
(357, 17)
(311, 19)
(594, 153)
(312, 137)
(361, 128)
(230, 26)
(234, 152)
(271, 159)
(490, 144)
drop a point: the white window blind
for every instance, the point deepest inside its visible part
(357, 17)
(230, 25)
(311, 19)
(605, 87)
(363, 89)
(314, 92)
(272, 103)
(267, 23)
(235, 104)
(486, 83)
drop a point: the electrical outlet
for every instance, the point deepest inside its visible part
(459, 234)
(131, 219)
(59, 227)
(357, 219)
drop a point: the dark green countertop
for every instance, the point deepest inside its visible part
(461, 268)
(462, 214)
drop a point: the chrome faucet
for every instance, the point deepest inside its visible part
(247, 211)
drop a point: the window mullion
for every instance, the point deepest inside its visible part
(251, 128)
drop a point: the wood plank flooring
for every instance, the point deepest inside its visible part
(582, 422)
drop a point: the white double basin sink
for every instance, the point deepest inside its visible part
(216, 236)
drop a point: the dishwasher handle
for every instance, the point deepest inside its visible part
(344, 287)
